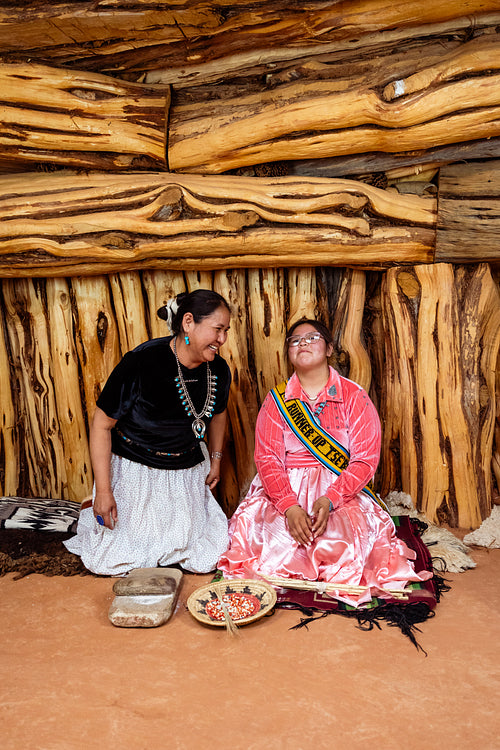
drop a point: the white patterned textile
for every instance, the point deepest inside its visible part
(39, 514)
(165, 517)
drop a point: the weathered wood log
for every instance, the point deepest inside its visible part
(72, 424)
(412, 162)
(268, 328)
(75, 119)
(347, 328)
(338, 111)
(243, 403)
(302, 295)
(9, 428)
(60, 224)
(97, 336)
(198, 280)
(468, 226)
(160, 287)
(495, 460)
(41, 440)
(129, 309)
(205, 41)
(438, 400)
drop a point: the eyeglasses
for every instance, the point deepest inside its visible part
(309, 338)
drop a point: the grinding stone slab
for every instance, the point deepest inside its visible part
(145, 598)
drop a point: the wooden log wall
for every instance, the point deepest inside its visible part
(338, 161)
(436, 330)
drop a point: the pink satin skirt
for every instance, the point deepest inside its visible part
(359, 546)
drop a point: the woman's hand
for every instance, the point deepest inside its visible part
(105, 506)
(213, 475)
(320, 513)
(299, 524)
(100, 452)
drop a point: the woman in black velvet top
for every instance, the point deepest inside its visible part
(153, 471)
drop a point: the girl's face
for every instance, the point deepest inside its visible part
(307, 356)
(207, 336)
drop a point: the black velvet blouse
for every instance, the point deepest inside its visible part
(141, 394)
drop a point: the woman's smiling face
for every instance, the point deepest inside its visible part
(206, 336)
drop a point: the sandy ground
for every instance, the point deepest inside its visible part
(70, 680)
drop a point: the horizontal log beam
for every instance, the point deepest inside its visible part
(78, 119)
(73, 224)
(432, 96)
(411, 162)
(469, 212)
(192, 38)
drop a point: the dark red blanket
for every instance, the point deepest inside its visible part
(419, 607)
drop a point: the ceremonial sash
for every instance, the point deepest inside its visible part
(320, 443)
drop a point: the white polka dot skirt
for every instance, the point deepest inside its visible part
(164, 517)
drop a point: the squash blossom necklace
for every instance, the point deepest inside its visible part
(199, 427)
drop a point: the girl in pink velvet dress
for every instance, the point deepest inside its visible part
(303, 517)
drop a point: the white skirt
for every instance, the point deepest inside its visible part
(164, 517)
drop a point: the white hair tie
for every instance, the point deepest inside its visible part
(171, 306)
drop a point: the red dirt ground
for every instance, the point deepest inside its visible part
(69, 680)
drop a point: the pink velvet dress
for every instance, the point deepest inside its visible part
(359, 546)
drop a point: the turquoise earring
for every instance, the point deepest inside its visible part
(186, 340)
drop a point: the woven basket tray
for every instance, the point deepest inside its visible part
(260, 594)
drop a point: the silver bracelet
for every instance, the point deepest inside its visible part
(216, 454)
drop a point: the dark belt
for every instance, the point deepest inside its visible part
(150, 450)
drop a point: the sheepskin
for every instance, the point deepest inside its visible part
(488, 534)
(448, 553)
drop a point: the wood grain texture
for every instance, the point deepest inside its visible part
(10, 456)
(197, 41)
(71, 415)
(431, 96)
(267, 314)
(43, 462)
(442, 328)
(128, 302)
(98, 342)
(244, 401)
(85, 120)
(347, 328)
(69, 224)
(468, 227)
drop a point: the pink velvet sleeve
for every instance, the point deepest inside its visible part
(364, 446)
(270, 456)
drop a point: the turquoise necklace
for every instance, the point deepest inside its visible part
(199, 427)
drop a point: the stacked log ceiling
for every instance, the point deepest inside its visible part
(192, 40)
(68, 224)
(442, 333)
(422, 95)
(412, 100)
